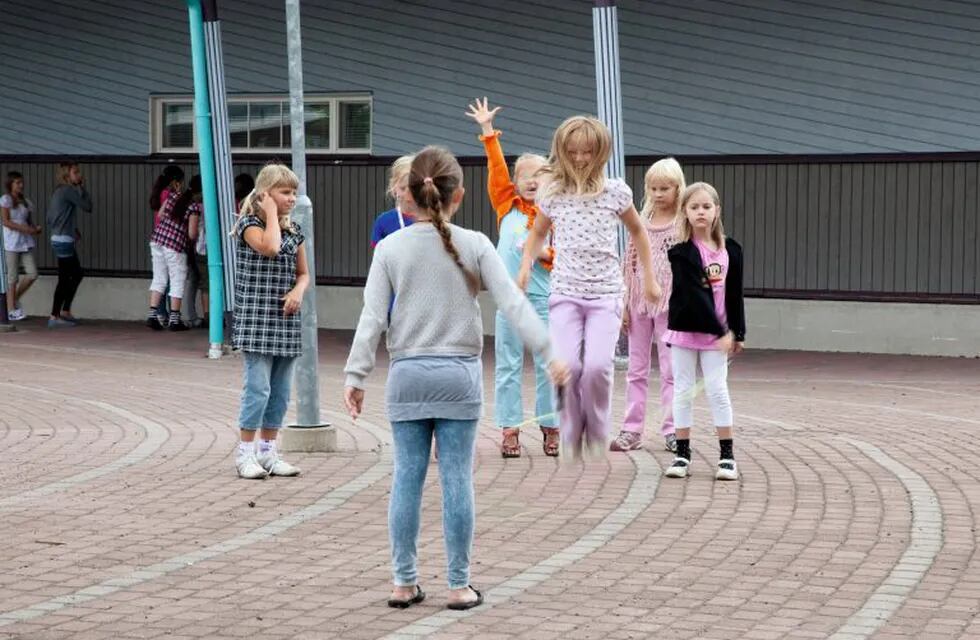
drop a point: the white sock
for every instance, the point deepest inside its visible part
(245, 448)
(266, 446)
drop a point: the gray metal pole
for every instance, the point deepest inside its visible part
(309, 434)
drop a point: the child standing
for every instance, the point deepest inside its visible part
(586, 302)
(646, 323)
(514, 204)
(706, 322)
(270, 278)
(19, 233)
(168, 249)
(435, 380)
(190, 205)
(397, 218)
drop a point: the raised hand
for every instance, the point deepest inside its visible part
(483, 115)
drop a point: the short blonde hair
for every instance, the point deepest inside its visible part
(565, 178)
(664, 169)
(272, 176)
(525, 158)
(684, 230)
(398, 173)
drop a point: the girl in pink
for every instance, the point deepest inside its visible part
(647, 323)
(586, 300)
(706, 322)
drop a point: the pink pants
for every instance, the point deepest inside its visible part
(585, 333)
(643, 332)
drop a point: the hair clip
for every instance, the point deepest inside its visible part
(427, 180)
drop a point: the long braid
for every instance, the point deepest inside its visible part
(472, 280)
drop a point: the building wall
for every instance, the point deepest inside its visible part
(844, 229)
(699, 76)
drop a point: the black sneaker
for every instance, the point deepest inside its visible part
(679, 468)
(153, 322)
(178, 326)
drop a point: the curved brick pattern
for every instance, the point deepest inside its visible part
(856, 513)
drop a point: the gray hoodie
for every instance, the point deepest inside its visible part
(65, 203)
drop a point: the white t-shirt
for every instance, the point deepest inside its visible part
(14, 240)
(585, 234)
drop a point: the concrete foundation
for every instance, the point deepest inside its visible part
(804, 325)
(308, 439)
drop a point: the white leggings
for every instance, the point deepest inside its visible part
(714, 368)
(168, 265)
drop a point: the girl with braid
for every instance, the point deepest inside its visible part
(435, 380)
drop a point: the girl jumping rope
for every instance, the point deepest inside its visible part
(514, 204)
(646, 323)
(586, 302)
(435, 380)
(270, 279)
(706, 322)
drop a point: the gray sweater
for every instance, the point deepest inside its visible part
(65, 203)
(434, 313)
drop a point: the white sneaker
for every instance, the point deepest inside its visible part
(679, 468)
(275, 465)
(16, 314)
(727, 470)
(249, 467)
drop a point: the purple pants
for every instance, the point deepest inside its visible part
(584, 333)
(643, 332)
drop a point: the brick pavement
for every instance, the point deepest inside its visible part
(123, 518)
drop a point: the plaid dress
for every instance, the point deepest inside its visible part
(261, 326)
(168, 232)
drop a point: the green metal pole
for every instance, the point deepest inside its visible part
(202, 116)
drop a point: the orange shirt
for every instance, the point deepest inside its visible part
(503, 192)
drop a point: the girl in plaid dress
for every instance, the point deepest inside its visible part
(270, 278)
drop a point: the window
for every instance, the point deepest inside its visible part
(260, 124)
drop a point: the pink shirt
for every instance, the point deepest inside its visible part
(662, 238)
(715, 270)
(585, 235)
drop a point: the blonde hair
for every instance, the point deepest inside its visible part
(684, 230)
(272, 176)
(665, 169)
(64, 169)
(524, 158)
(565, 178)
(398, 173)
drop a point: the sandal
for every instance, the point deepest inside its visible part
(405, 604)
(511, 446)
(463, 606)
(550, 444)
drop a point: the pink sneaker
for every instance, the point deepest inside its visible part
(626, 441)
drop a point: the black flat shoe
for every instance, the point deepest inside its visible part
(405, 604)
(463, 606)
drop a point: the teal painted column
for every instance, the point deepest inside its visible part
(212, 225)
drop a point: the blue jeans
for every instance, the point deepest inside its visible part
(413, 441)
(509, 374)
(266, 382)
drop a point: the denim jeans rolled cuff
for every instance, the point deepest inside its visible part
(266, 385)
(62, 249)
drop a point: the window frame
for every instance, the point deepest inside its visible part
(157, 102)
